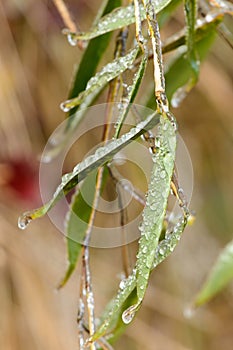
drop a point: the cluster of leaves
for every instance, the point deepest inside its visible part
(180, 76)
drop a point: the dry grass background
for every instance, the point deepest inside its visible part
(35, 66)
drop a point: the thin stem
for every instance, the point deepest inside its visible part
(89, 294)
(157, 49)
(117, 178)
(65, 15)
(81, 310)
(179, 193)
(123, 220)
(138, 25)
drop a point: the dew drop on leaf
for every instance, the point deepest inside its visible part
(64, 107)
(129, 314)
(189, 312)
(71, 39)
(24, 220)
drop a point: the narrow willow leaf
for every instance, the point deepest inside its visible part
(107, 73)
(80, 171)
(128, 287)
(169, 243)
(156, 203)
(117, 19)
(77, 222)
(95, 48)
(115, 307)
(131, 93)
(220, 275)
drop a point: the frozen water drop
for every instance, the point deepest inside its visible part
(163, 174)
(122, 284)
(65, 178)
(189, 311)
(24, 220)
(65, 107)
(129, 314)
(154, 206)
(161, 251)
(178, 97)
(71, 39)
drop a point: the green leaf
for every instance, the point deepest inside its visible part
(95, 48)
(127, 290)
(220, 275)
(77, 222)
(117, 19)
(153, 217)
(132, 91)
(156, 204)
(97, 83)
(80, 171)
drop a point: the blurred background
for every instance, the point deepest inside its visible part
(36, 64)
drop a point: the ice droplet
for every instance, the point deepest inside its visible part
(129, 314)
(24, 220)
(122, 284)
(161, 251)
(71, 39)
(189, 311)
(178, 97)
(65, 107)
(163, 174)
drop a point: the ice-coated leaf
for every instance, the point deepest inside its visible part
(80, 171)
(153, 217)
(220, 275)
(117, 19)
(96, 48)
(77, 222)
(156, 203)
(115, 306)
(169, 243)
(131, 93)
(97, 83)
(128, 286)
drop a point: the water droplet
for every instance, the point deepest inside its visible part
(71, 39)
(161, 251)
(122, 284)
(178, 97)
(64, 106)
(163, 174)
(191, 219)
(189, 311)
(129, 314)
(157, 142)
(154, 206)
(210, 17)
(65, 178)
(181, 191)
(24, 220)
